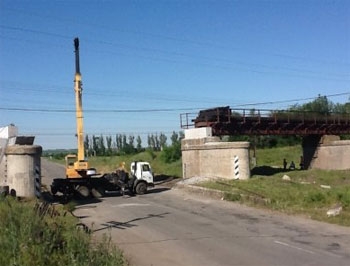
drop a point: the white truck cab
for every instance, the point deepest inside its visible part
(142, 171)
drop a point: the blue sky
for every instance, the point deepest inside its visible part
(137, 57)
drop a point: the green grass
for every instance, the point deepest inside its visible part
(32, 234)
(303, 195)
(275, 156)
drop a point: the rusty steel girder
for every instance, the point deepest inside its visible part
(224, 121)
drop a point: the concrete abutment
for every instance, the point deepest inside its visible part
(326, 152)
(206, 156)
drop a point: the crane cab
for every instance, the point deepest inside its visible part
(76, 168)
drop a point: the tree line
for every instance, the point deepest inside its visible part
(122, 144)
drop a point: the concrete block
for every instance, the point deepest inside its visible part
(8, 131)
(198, 133)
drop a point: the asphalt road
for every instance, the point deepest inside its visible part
(173, 227)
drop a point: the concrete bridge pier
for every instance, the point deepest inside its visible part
(24, 170)
(206, 156)
(326, 152)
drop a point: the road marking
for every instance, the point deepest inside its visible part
(129, 205)
(295, 247)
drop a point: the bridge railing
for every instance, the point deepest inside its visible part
(187, 120)
(227, 115)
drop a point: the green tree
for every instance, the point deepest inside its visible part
(102, 147)
(320, 105)
(109, 145)
(124, 143)
(173, 153)
(119, 142)
(151, 142)
(156, 143)
(131, 141)
(138, 143)
(86, 144)
(162, 141)
(174, 138)
(95, 146)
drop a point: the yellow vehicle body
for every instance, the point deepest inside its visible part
(75, 168)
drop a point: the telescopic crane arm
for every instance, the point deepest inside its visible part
(76, 165)
(78, 103)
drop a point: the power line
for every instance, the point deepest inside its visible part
(167, 37)
(292, 100)
(98, 111)
(36, 31)
(152, 110)
(121, 94)
(98, 133)
(248, 67)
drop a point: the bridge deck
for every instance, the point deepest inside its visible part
(227, 121)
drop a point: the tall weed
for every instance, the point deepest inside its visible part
(32, 233)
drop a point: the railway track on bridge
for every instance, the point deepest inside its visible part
(227, 121)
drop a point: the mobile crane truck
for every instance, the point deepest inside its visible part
(83, 180)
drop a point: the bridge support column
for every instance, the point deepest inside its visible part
(206, 156)
(326, 152)
(24, 170)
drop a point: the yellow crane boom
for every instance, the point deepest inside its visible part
(78, 103)
(76, 165)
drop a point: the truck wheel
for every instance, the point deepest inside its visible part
(54, 190)
(83, 192)
(141, 188)
(97, 193)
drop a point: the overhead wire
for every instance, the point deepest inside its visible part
(291, 100)
(246, 68)
(166, 37)
(151, 110)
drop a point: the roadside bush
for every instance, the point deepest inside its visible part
(151, 153)
(232, 196)
(34, 233)
(171, 154)
(344, 197)
(315, 197)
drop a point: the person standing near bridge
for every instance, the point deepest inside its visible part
(301, 164)
(292, 166)
(285, 164)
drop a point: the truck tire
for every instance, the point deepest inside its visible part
(83, 191)
(141, 188)
(97, 193)
(54, 190)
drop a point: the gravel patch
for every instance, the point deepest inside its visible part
(195, 180)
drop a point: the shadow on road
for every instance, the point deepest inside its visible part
(78, 200)
(162, 179)
(157, 190)
(61, 199)
(128, 224)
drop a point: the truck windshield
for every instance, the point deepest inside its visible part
(145, 168)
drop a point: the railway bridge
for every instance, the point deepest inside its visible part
(322, 147)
